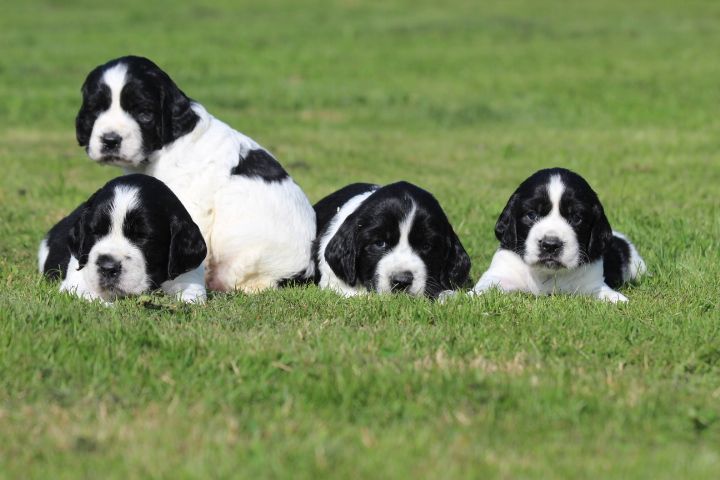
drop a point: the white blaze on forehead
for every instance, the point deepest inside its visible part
(555, 190)
(126, 199)
(114, 78)
(402, 258)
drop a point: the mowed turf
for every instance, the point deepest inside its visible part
(464, 98)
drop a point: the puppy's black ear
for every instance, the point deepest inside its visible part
(341, 252)
(506, 225)
(79, 241)
(178, 115)
(457, 266)
(187, 247)
(83, 120)
(601, 233)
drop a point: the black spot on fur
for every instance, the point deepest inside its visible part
(260, 164)
(616, 258)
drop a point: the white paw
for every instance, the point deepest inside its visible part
(193, 296)
(446, 295)
(612, 296)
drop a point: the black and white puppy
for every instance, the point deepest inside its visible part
(394, 238)
(258, 224)
(555, 238)
(131, 236)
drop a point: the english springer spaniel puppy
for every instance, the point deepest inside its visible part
(555, 238)
(258, 224)
(394, 238)
(131, 236)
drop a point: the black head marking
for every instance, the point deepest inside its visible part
(506, 225)
(162, 111)
(341, 251)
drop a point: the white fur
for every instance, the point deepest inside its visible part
(257, 232)
(118, 121)
(402, 258)
(75, 283)
(553, 225)
(43, 253)
(188, 287)
(509, 272)
(328, 279)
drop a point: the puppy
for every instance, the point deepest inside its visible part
(387, 239)
(258, 224)
(555, 238)
(131, 236)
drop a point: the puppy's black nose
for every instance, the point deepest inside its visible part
(108, 267)
(401, 281)
(550, 245)
(110, 141)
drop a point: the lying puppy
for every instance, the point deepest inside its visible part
(387, 239)
(258, 224)
(131, 236)
(554, 238)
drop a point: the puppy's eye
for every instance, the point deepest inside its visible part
(145, 117)
(575, 219)
(531, 215)
(425, 247)
(379, 245)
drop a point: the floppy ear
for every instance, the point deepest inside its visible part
(83, 120)
(457, 266)
(78, 242)
(506, 225)
(178, 117)
(600, 234)
(341, 252)
(187, 247)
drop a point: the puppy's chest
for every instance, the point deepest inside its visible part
(579, 280)
(195, 187)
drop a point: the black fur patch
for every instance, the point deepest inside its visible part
(260, 164)
(616, 258)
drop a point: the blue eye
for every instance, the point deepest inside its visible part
(380, 244)
(531, 215)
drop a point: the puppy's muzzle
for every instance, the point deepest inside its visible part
(401, 281)
(550, 246)
(109, 270)
(110, 142)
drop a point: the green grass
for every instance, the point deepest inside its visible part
(465, 99)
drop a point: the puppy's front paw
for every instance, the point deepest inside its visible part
(612, 296)
(193, 295)
(446, 295)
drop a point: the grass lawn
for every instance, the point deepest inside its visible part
(464, 98)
